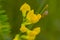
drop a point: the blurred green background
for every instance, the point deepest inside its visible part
(11, 18)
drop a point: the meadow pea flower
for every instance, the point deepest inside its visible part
(33, 18)
(16, 37)
(31, 38)
(23, 28)
(24, 8)
(27, 37)
(36, 31)
(32, 34)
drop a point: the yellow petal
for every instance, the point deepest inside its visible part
(23, 28)
(25, 7)
(30, 38)
(33, 18)
(38, 17)
(16, 37)
(30, 14)
(36, 30)
(32, 34)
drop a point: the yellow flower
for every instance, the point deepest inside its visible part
(36, 31)
(27, 37)
(32, 18)
(23, 28)
(30, 38)
(25, 7)
(32, 34)
(16, 37)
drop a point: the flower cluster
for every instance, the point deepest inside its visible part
(29, 14)
(29, 18)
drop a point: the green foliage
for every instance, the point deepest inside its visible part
(4, 25)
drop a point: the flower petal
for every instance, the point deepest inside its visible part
(16, 37)
(25, 7)
(23, 28)
(36, 30)
(33, 18)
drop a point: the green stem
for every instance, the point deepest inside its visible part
(46, 6)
